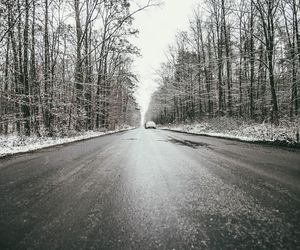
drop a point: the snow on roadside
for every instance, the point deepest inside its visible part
(287, 132)
(12, 144)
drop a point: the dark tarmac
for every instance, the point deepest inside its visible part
(151, 189)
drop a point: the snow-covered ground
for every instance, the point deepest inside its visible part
(287, 132)
(12, 144)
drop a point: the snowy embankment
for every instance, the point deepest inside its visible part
(287, 133)
(12, 144)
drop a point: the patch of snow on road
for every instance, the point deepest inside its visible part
(12, 144)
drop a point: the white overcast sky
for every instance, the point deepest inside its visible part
(157, 26)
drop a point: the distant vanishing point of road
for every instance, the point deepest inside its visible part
(151, 189)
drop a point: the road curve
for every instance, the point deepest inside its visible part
(151, 189)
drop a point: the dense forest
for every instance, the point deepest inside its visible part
(65, 66)
(239, 58)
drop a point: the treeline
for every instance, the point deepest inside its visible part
(66, 66)
(239, 58)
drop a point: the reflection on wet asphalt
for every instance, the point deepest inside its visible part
(151, 189)
(192, 144)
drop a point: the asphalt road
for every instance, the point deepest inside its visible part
(151, 189)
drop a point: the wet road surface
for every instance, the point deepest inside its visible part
(151, 189)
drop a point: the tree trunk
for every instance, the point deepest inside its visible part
(26, 101)
(252, 60)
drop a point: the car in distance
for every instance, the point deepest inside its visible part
(150, 124)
